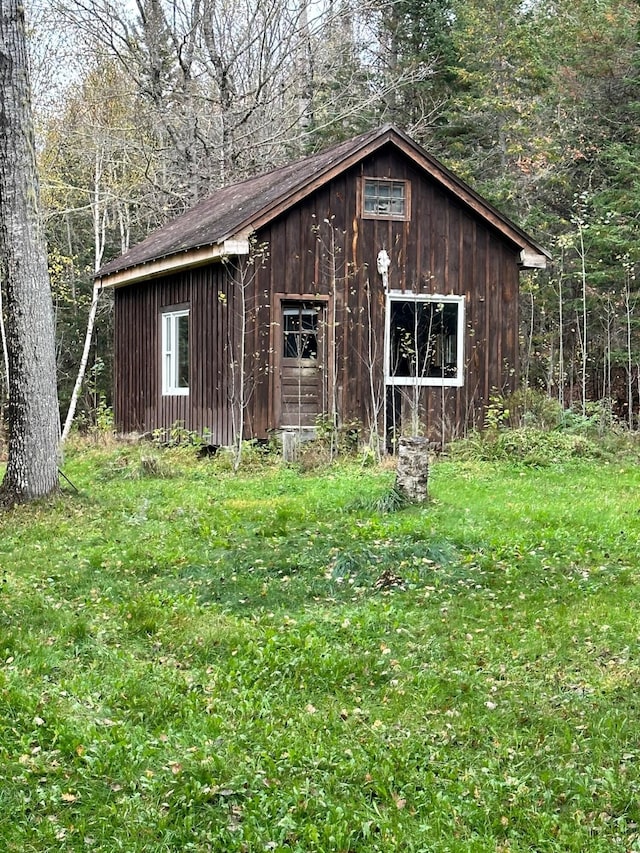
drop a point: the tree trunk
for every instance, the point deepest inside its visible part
(99, 228)
(33, 417)
(5, 354)
(412, 474)
(84, 360)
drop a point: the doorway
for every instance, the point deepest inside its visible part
(302, 393)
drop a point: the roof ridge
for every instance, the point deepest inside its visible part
(233, 210)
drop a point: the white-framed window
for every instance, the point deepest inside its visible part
(175, 352)
(386, 198)
(424, 339)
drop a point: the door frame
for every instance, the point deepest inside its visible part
(275, 345)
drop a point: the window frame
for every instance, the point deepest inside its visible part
(301, 308)
(456, 381)
(405, 216)
(170, 325)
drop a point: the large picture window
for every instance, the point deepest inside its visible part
(175, 352)
(384, 198)
(424, 337)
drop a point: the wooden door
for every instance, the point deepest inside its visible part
(302, 364)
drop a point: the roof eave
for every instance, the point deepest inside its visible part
(234, 246)
(533, 260)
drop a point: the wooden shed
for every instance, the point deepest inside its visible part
(365, 284)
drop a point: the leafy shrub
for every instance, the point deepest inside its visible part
(526, 407)
(255, 454)
(597, 419)
(526, 445)
(343, 440)
(178, 436)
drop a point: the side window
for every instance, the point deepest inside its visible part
(383, 198)
(175, 352)
(424, 340)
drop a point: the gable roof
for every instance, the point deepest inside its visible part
(220, 225)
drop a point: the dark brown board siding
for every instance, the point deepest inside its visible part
(443, 249)
(139, 403)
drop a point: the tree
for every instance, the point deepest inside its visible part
(417, 55)
(242, 307)
(33, 418)
(89, 176)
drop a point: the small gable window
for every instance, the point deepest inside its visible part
(384, 198)
(175, 352)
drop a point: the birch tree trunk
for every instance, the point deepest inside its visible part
(99, 237)
(33, 417)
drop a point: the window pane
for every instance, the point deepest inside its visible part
(371, 204)
(175, 348)
(300, 332)
(166, 333)
(291, 320)
(182, 335)
(384, 198)
(309, 320)
(290, 346)
(423, 339)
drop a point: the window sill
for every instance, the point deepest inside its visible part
(424, 382)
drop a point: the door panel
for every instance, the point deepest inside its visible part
(302, 364)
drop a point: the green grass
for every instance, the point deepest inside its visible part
(195, 661)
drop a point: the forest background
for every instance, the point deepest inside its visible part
(143, 108)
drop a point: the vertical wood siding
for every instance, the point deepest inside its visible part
(139, 403)
(442, 249)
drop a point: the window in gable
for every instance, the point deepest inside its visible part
(384, 198)
(424, 340)
(175, 352)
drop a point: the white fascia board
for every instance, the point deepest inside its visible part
(231, 247)
(532, 260)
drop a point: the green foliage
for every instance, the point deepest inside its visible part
(104, 421)
(391, 500)
(524, 407)
(330, 442)
(251, 662)
(345, 438)
(526, 445)
(252, 458)
(597, 420)
(418, 35)
(178, 436)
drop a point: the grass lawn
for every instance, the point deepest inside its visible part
(269, 662)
